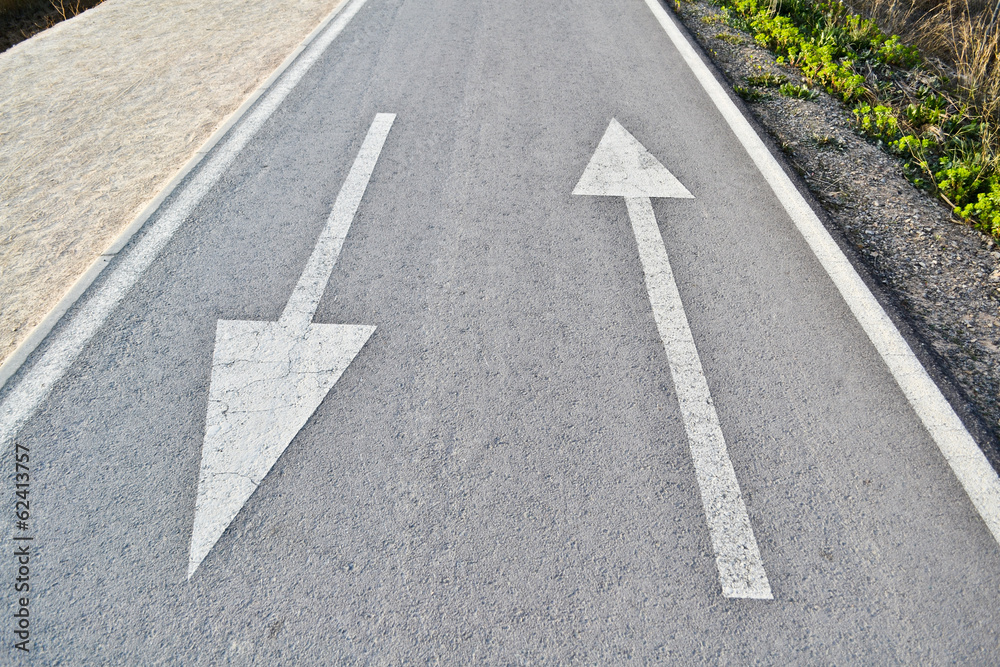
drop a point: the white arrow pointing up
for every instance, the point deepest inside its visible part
(269, 377)
(622, 167)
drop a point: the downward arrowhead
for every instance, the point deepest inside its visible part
(267, 380)
(622, 167)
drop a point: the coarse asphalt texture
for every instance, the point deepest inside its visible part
(502, 474)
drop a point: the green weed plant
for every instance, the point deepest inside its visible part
(896, 100)
(750, 94)
(801, 92)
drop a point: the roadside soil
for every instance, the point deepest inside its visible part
(941, 276)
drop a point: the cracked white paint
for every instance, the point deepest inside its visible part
(267, 380)
(269, 377)
(622, 167)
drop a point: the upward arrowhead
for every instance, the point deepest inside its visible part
(267, 380)
(622, 167)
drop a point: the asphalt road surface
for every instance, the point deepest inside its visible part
(481, 417)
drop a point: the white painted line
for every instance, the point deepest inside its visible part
(43, 328)
(269, 377)
(968, 462)
(34, 386)
(741, 571)
(305, 298)
(622, 167)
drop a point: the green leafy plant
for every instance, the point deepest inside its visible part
(878, 122)
(892, 52)
(986, 208)
(749, 94)
(802, 92)
(767, 80)
(947, 146)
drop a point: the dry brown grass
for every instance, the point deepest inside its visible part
(67, 9)
(964, 36)
(12, 6)
(20, 19)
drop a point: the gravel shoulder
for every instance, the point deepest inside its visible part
(941, 277)
(99, 112)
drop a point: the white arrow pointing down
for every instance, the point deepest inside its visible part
(622, 167)
(269, 377)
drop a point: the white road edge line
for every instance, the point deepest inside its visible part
(737, 556)
(33, 387)
(967, 461)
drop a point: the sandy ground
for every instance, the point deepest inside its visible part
(99, 112)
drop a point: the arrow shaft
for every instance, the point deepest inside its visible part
(737, 557)
(305, 297)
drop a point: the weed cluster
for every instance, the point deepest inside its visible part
(802, 92)
(729, 38)
(767, 79)
(944, 130)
